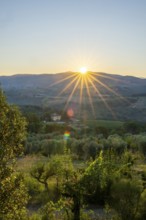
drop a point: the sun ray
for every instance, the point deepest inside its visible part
(81, 94)
(109, 89)
(85, 83)
(107, 77)
(101, 97)
(89, 95)
(62, 80)
(73, 91)
(81, 89)
(71, 82)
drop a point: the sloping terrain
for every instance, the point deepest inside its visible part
(106, 96)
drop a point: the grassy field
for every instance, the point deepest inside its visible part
(25, 164)
(105, 123)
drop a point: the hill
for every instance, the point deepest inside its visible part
(103, 96)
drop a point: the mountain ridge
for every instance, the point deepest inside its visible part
(48, 90)
(5, 80)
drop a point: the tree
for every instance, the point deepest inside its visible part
(70, 185)
(34, 123)
(132, 127)
(42, 173)
(59, 167)
(117, 144)
(77, 147)
(73, 190)
(97, 179)
(102, 172)
(102, 130)
(13, 196)
(92, 148)
(125, 198)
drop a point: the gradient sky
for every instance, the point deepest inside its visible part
(50, 36)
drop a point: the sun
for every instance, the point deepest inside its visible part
(83, 70)
(84, 87)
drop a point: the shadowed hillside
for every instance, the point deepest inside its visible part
(102, 96)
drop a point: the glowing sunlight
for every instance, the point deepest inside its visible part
(85, 86)
(83, 70)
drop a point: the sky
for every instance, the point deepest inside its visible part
(53, 36)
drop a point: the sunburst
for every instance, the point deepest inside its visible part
(86, 84)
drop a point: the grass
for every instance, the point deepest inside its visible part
(141, 167)
(26, 163)
(105, 123)
(79, 164)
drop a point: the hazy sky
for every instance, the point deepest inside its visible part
(50, 36)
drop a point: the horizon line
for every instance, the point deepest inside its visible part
(116, 74)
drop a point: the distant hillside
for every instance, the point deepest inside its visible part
(45, 80)
(115, 96)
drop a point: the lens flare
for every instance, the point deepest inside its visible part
(66, 135)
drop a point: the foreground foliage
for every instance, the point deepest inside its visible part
(65, 177)
(13, 193)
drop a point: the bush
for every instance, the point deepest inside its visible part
(125, 197)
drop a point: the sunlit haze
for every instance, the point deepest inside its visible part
(44, 36)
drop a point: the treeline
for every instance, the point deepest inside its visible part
(86, 147)
(36, 116)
